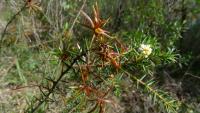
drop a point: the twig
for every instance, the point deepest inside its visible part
(23, 87)
(155, 92)
(192, 75)
(10, 21)
(70, 30)
(189, 67)
(57, 81)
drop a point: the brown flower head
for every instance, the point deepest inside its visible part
(33, 6)
(96, 23)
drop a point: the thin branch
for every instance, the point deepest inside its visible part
(192, 75)
(167, 103)
(57, 81)
(71, 28)
(10, 21)
(189, 67)
(22, 87)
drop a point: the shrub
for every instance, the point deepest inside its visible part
(91, 67)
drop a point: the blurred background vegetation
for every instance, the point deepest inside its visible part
(26, 47)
